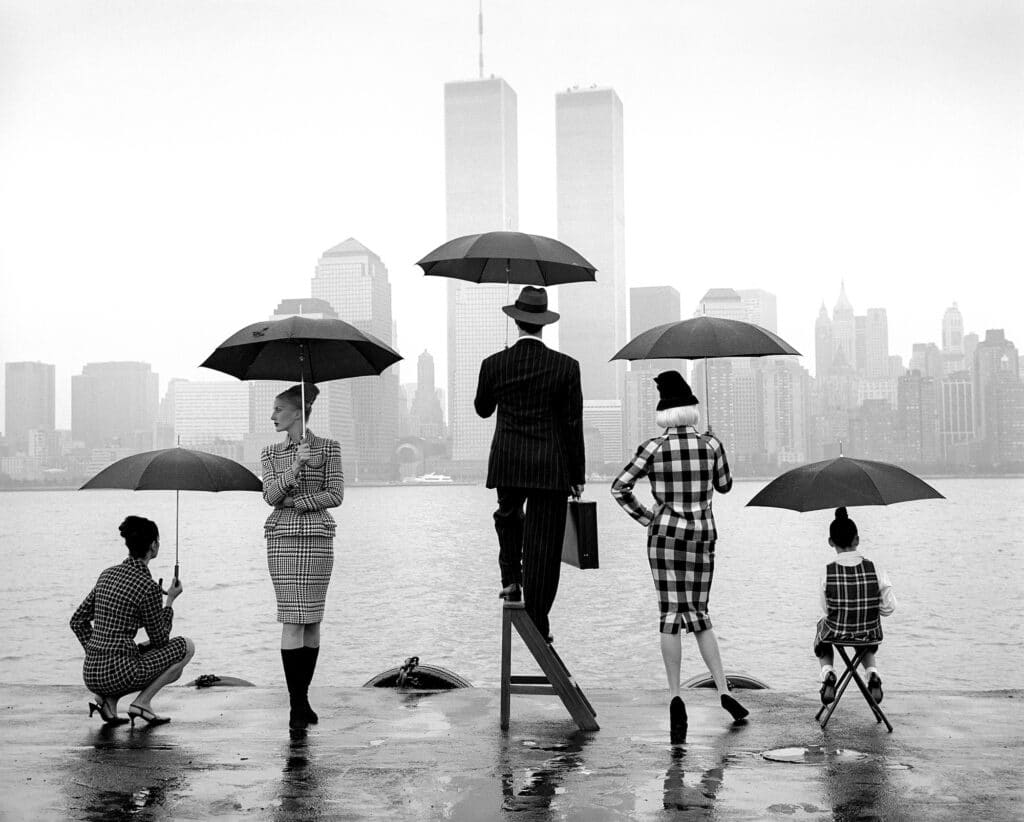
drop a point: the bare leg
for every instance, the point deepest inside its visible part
(672, 654)
(108, 702)
(707, 644)
(292, 634)
(172, 674)
(310, 635)
(868, 660)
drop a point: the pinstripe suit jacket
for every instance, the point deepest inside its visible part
(538, 439)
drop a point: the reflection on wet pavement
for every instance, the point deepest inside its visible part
(299, 793)
(540, 781)
(119, 775)
(697, 800)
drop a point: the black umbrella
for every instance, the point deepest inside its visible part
(842, 481)
(175, 469)
(301, 348)
(704, 338)
(508, 257)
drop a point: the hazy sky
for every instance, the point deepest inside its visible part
(170, 171)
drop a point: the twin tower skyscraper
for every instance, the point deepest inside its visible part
(482, 194)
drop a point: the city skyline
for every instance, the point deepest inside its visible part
(894, 168)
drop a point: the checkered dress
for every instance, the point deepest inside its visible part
(685, 469)
(125, 599)
(852, 597)
(300, 554)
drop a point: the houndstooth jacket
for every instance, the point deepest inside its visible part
(685, 469)
(320, 485)
(125, 599)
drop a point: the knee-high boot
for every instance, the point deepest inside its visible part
(308, 668)
(293, 660)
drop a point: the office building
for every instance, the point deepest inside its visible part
(353, 281)
(956, 417)
(115, 404)
(606, 417)
(591, 219)
(997, 398)
(426, 416)
(648, 307)
(876, 344)
(918, 419)
(29, 402)
(481, 194)
(209, 412)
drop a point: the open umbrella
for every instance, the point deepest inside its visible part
(305, 349)
(508, 257)
(704, 338)
(175, 469)
(842, 481)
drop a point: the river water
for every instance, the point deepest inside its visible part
(416, 574)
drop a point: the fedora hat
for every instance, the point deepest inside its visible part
(673, 391)
(531, 306)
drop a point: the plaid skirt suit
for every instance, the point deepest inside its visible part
(125, 599)
(300, 554)
(685, 468)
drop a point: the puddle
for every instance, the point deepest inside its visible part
(814, 755)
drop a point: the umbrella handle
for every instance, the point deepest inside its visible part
(176, 568)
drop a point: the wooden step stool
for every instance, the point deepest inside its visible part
(556, 679)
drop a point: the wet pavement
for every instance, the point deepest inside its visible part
(380, 754)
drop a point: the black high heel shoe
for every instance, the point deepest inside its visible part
(150, 718)
(737, 711)
(107, 717)
(677, 721)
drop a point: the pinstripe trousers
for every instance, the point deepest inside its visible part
(530, 545)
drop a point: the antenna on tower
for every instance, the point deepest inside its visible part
(480, 29)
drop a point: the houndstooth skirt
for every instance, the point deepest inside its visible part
(115, 675)
(300, 568)
(682, 572)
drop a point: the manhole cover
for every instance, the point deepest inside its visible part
(814, 755)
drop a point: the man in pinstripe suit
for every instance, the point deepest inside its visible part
(536, 455)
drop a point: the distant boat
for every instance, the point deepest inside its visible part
(428, 479)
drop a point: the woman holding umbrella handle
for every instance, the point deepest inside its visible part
(685, 469)
(302, 478)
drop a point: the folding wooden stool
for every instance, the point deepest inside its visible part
(849, 673)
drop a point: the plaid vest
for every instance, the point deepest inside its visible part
(852, 597)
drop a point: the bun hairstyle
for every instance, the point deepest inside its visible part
(843, 530)
(139, 534)
(293, 396)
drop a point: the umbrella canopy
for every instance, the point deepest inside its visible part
(842, 481)
(175, 469)
(704, 338)
(304, 349)
(508, 257)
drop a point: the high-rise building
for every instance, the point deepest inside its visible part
(876, 344)
(591, 219)
(29, 396)
(606, 417)
(927, 359)
(956, 417)
(207, 412)
(998, 398)
(648, 307)
(426, 416)
(844, 328)
(115, 403)
(952, 331)
(824, 344)
(481, 194)
(353, 281)
(786, 410)
(918, 416)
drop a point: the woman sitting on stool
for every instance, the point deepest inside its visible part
(125, 599)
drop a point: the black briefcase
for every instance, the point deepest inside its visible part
(579, 548)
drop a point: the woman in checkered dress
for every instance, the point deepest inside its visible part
(125, 599)
(685, 468)
(302, 478)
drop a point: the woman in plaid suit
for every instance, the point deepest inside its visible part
(125, 599)
(302, 478)
(685, 469)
